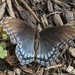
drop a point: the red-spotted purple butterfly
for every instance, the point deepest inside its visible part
(49, 40)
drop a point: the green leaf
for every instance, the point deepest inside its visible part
(3, 54)
(1, 48)
(4, 36)
(3, 44)
(4, 31)
(0, 28)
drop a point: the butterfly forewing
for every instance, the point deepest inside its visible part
(17, 29)
(58, 34)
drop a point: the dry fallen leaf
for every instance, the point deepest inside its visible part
(11, 59)
(28, 70)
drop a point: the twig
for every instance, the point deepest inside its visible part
(53, 13)
(10, 8)
(61, 3)
(2, 9)
(50, 67)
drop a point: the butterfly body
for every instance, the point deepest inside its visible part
(33, 45)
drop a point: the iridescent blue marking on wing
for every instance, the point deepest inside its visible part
(26, 51)
(45, 53)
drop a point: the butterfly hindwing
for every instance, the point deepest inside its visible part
(25, 52)
(46, 52)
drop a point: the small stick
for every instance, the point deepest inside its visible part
(53, 13)
(10, 10)
(2, 9)
(50, 67)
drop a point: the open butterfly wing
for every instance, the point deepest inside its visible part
(50, 40)
(25, 51)
(22, 35)
(17, 29)
(46, 52)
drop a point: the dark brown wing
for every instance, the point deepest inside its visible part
(17, 29)
(23, 35)
(50, 40)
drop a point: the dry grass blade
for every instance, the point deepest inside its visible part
(40, 72)
(2, 9)
(60, 3)
(27, 70)
(50, 67)
(10, 10)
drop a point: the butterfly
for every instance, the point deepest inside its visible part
(49, 41)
